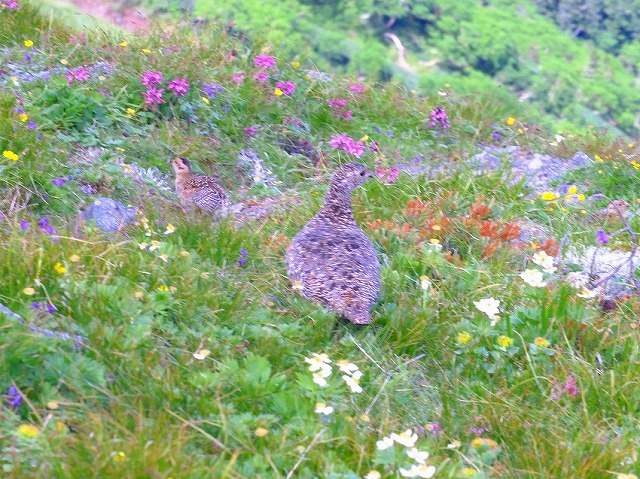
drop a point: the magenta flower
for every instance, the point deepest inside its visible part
(238, 77)
(287, 87)
(79, 75)
(570, 387)
(602, 237)
(265, 61)
(388, 175)
(356, 88)
(179, 86)
(438, 116)
(150, 78)
(261, 77)
(338, 107)
(153, 96)
(292, 120)
(343, 142)
(10, 4)
(250, 132)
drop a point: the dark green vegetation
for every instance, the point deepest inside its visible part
(193, 364)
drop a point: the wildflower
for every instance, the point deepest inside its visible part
(45, 226)
(278, 92)
(149, 78)
(79, 75)
(319, 377)
(419, 456)
(139, 294)
(407, 438)
(154, 245)
(489, 306)
(318, 361)
(164, 257)
(178, 86)
(146, 50)
(265, 61)
(602, 237)
(434, 428)
(59, 268)
(545, 261)
(119, 456)
(287, 88)
(353, 381)
(548, 196)
(347, 144)
(23, 117)
(238, 77)
(356, 88)
(123, 43)
(170, 229)
(28, 430)
(162, 287)
(261, 77)
(10, 4)
(421, 470)
(346, 367)
(438, 116)
(184, 253)
(200, 355)
(243, 257)
(384, 443)
(322, 408)
(463, 337)
(479, 442)
(261, 432)
(32, 125)
(533, 277)
(205, 100)
(454, 445)
(28, 43)
(587, 293)
(295, 64)
(211, 89)
(58, 181)
(250, 132)
(10, 155)
(541, 342)
(496, 136)
(505, 341)
(510, 121)
(373, 474)
(153, 96)
(468, 472)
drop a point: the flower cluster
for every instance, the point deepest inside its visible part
(408, 440)
(211, 89)
(285, 88)
(320, 366)
(489, 306)
(339, 108)
(179, 86)
(9, 4)
(343, 142)
(79, 75)
(388, 175)
(534, 277)
(438, 117)
(267, 62)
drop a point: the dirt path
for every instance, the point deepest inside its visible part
(117, 12)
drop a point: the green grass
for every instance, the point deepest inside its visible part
(134, 402)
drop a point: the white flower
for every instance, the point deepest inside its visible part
(453, 445)
(425, 283)
(419, 456)
(170, 229)
(587, 293)
(322, 408)
(353, 382)
(319, 377)
(421, 470)
(407, 438)
(489, 306)
(533, 277)
(347, 367)
(154, 245)
(384, 443)
(545, 261)
(373, 474)
(200, 355)
(318, 361)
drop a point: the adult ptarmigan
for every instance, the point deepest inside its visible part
(330, 260)
(197, 190)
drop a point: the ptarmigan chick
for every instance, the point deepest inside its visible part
(197, 190)
(330, 260)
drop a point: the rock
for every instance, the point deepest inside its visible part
(109, 215)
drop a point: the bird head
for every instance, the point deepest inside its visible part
(181, 165)
(350, 176)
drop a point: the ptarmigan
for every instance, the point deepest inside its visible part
(197, 190)
(330, 260)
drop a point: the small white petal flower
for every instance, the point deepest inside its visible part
(319, 378)
(353, 382)
(384, 443)
(322, 408)
(347, 367)
(357, 375)
(587, 293)
(533, 277)
(407, 438)
(489, 306)
(419, 456)
(424, 471)
(454, 445)
(408, 472)
(318, 361)
(170, 229)
(373, 474)
(425, 283)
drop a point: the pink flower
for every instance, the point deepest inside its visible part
(389, 175)
(150, 78)
(343, 142)
(78, 74)
(153, 96)
(250, 132)
(292, 120)
(338, 108)
(265, 61)
(287, 87)
(238, 77)
(356, 88)
(10, 4)
(261, 77)
(179, 86)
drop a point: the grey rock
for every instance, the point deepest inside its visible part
(109, 215)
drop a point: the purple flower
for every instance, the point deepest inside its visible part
(153, 96)
(602, 237)
(343, 142)
(20, 110)
(35, 305)
(261, 77)
(438, 116)
(292, 120)
(24, 225)
(287, 87)
(45, 226)
(496, 136)
(417, 160)
(568, 387)
(356, 88)
(243, 257)
(32, 125)
(389, 175)
(179, 86)
(238, 77)
(149, 78)
(77, 75)
(86, 189)
(14, 398)
(265, 61)
(51, 308)
(58, 181)
(250, 132)
(211, 89)
(389, 134)
(27, 57)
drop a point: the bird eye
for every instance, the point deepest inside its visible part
(362, 173)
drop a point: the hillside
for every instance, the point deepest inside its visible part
(172, 345)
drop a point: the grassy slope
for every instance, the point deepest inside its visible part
(134, 402)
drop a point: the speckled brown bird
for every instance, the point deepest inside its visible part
(330, 260)
(613, 214)
(197, 190)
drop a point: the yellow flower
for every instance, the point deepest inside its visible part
(636, 165)
(541, 342)
(482, 441)
(29, 291)
(59, 268)
(520, 130)
(364, 138)
(123, 43)
(28, 430)
(23, 117)
(170, 229)
(64, 62)
(278, 92)
(61, 427)
(548, 196)
(74, 258)
(261, 432)
(511, 121)
(205, 100)
(131, 111)
(119, 456)
(10, 155)
(597, 157)
(505, 341)
(464, 337)
(53, 405)
(581, 197)
(28, 43)
(434, 241)
(200, 355)
(468, 472)
(146, 50)
(295, 64)
(162, 287)
(573, 190)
